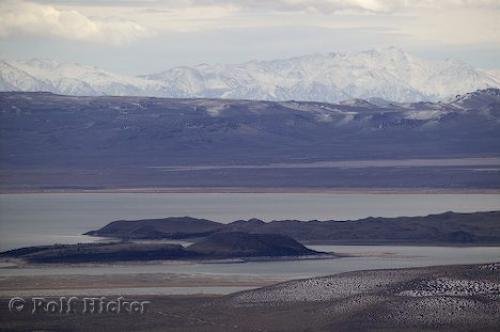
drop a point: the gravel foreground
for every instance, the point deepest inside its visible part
(448, 298)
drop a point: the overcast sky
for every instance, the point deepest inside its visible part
(134, 36)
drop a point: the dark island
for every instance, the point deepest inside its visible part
(254, 238)
(449, 228)
(168, 228)
(217, 246)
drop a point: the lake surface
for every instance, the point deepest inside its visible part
(29, 219)
(47, 218)
(364, 258)
(370, 257)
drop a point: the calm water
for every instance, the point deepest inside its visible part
(372, 257)
(32, 219)
(28, 219)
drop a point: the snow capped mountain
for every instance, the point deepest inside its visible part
(385, 74)
(389, 74)
(71, 79)
(12, 78)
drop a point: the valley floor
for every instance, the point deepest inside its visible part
(405, 175)
(451, 298)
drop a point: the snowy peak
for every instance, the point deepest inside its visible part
(16, 79)
(380, 74)
(390, 74)
(73, 79)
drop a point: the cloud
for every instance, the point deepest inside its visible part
(28, 18)
(194, 18)
(324, 6)
(457, 27)
(319, 6)
(456, 22)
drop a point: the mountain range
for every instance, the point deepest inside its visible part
(389, 74)
(49, 140)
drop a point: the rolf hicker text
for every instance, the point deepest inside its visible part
(83, 305)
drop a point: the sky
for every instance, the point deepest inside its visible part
(147, 36)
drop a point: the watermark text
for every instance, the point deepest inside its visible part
(73, 304)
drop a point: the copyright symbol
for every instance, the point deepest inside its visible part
(16, 304)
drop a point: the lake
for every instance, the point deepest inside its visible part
(47, 218)
(29, 219)
(364, 258)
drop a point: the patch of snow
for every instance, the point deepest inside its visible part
(424, 115)
(215, 110)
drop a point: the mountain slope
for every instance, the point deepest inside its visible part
(54, 141)
(15, 79)
(73, 79)
(389, 74)
(39, 130)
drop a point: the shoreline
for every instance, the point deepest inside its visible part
(253, 190)
(132, 283)
(158, 276)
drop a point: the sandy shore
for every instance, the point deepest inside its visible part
(133, 283)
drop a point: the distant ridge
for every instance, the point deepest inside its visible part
(117, 142)
(444, 228)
